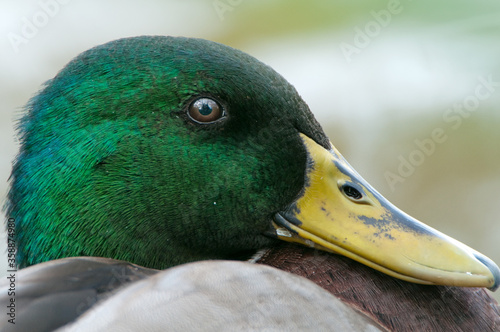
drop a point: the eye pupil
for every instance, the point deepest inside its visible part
(352, 192)
(205, 110)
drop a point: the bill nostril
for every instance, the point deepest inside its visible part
(352, 192)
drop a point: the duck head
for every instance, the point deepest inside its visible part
(163, 150)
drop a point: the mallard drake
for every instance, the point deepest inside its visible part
(160, 151)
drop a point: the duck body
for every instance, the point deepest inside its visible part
(160, 151)
(214, 295)
(100, 294)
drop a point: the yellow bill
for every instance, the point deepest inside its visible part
(338, 211)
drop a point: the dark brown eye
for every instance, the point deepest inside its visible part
(205, 110)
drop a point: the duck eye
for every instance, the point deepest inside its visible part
(205, 110)
(351, 192)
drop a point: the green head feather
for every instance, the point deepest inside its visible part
(112, 165)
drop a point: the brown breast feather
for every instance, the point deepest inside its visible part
(395, 304)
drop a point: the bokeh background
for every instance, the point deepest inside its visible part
(380, 76)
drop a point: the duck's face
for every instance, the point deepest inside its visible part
(159, 151)
(167, 150)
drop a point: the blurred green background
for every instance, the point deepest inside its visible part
(380, 76)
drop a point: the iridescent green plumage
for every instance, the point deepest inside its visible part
(110, 165)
